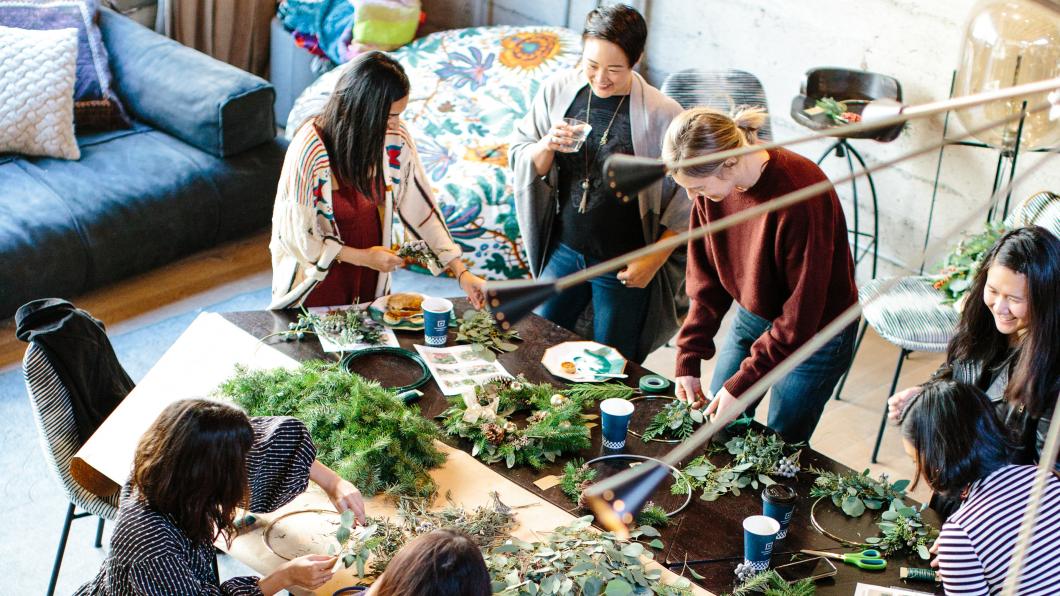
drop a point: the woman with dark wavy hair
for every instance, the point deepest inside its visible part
(442, 563)
(1007, 342)
(198, 463)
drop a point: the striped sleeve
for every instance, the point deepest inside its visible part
(171, 576)
(961, 569)
(279, 462)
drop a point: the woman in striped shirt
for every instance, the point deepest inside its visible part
(198, 462)
(962, 449)
(348, 174)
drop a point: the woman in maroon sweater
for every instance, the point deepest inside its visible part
(790, 272)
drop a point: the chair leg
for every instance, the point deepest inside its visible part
(62, 549)
(99, 533)
(894, 386)
(857, 346)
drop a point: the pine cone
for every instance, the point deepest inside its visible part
(493, 433)
(582, 501)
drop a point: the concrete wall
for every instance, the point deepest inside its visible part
(917, 42)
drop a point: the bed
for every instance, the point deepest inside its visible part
(469, 88)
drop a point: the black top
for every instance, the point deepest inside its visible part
(608, 227)
(150, 555)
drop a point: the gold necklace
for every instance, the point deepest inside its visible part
(584, 205)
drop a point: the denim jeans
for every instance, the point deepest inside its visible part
(798, 399)
(618, 311)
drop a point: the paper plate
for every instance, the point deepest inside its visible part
(589, 359)
(378, 307)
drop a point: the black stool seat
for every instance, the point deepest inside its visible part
(855, 88)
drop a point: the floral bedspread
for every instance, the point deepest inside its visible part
(469, 88)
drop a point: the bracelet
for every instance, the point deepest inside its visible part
(458, 277)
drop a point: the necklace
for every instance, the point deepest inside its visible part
(584, 205)
(762, 169)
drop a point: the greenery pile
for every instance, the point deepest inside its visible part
(770, 583)
(360, 429)
(756, 458)
(478, 328)
(677, 420)
(577, 477)
(902, 530)
(341, 326)
(554, 423)
(853, 493)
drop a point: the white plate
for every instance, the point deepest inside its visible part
(589, 357)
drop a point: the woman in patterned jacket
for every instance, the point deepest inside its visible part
(198, 462)
(347, 174)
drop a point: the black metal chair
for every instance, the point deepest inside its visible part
(718, 89)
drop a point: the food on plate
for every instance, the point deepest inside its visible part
(403, 306)
(568, 367)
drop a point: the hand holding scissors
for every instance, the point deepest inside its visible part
(870, 559)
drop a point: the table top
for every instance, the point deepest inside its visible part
(710, 532)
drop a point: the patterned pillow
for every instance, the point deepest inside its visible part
(37, 73)
(97, 105)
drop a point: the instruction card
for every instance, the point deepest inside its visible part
(459, 367)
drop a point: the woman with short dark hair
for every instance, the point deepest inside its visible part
(196, 464)
(789, 271)
(568, 216)
(440, 563)
(963, 450)
(347, 174)
(1007, 341)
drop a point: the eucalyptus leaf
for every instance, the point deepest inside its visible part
(618, 587)
(853, 506)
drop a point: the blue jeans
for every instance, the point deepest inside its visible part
(798, 399)
(618, 311)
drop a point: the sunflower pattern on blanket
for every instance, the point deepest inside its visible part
(469, 89)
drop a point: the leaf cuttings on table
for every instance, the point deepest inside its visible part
(480, 329)
(853, 493)
(903, 531)
(418, 251)
(770, 583)
(594, 392)
(360, 429)
(756, 459)
(676, 421)
(346, 326)
(577, 477)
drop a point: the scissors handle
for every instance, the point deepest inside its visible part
(870, 559)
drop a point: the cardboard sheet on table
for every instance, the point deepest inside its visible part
(469, 483)
(202, 357)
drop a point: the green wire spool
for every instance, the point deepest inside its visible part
(654, 384)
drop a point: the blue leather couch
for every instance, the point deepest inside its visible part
(198, 168)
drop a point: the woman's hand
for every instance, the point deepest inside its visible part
(897, 403)
(345, 496)
(310, 571)
(640, 272)
(474, 286)
(689, 389)
(380, 258)
(934, 550)
(559, 138)
(721, 402)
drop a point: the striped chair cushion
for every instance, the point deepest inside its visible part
(1042, 209)
(58, 430)
(911, 315)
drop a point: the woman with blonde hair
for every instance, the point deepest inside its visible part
(789, 271)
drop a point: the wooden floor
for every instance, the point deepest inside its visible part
(846, 432)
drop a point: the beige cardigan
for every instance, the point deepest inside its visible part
(304, 238)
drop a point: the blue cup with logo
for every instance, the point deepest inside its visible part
(436, 315)
(614, 421)
(759, 534)
(778, 502)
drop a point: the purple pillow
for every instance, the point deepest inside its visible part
(96, 105)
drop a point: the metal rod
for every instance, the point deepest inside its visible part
(791, 198)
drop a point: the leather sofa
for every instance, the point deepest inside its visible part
(199, 167)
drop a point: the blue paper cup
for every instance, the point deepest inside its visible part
(759, 534)
(778, 502)
(614, 421)
(436, 315)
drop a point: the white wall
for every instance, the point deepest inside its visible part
(917, 42)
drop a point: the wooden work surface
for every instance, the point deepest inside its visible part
(704, 531)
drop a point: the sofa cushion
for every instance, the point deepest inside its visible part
(204, 102)
(136, 200)
(96, 103)
(37, 72)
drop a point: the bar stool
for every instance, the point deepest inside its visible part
(855, 88)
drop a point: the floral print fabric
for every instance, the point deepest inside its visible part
(469, 88)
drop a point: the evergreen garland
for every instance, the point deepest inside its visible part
(554, 425)
(361, 430)
(590, 392)
(770, 583)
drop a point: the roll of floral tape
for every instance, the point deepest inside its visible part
(653, 384)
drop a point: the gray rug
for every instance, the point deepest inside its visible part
(33, 503)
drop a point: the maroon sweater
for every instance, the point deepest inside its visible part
(791, 266)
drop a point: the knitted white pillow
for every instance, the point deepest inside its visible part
(37, 74)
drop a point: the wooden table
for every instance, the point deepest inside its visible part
(705, 531)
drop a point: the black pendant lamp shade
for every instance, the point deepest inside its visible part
(617, 500)
(626, 175)
(513, 300)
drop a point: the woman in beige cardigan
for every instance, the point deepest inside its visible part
(347, 174)
(570, 220)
